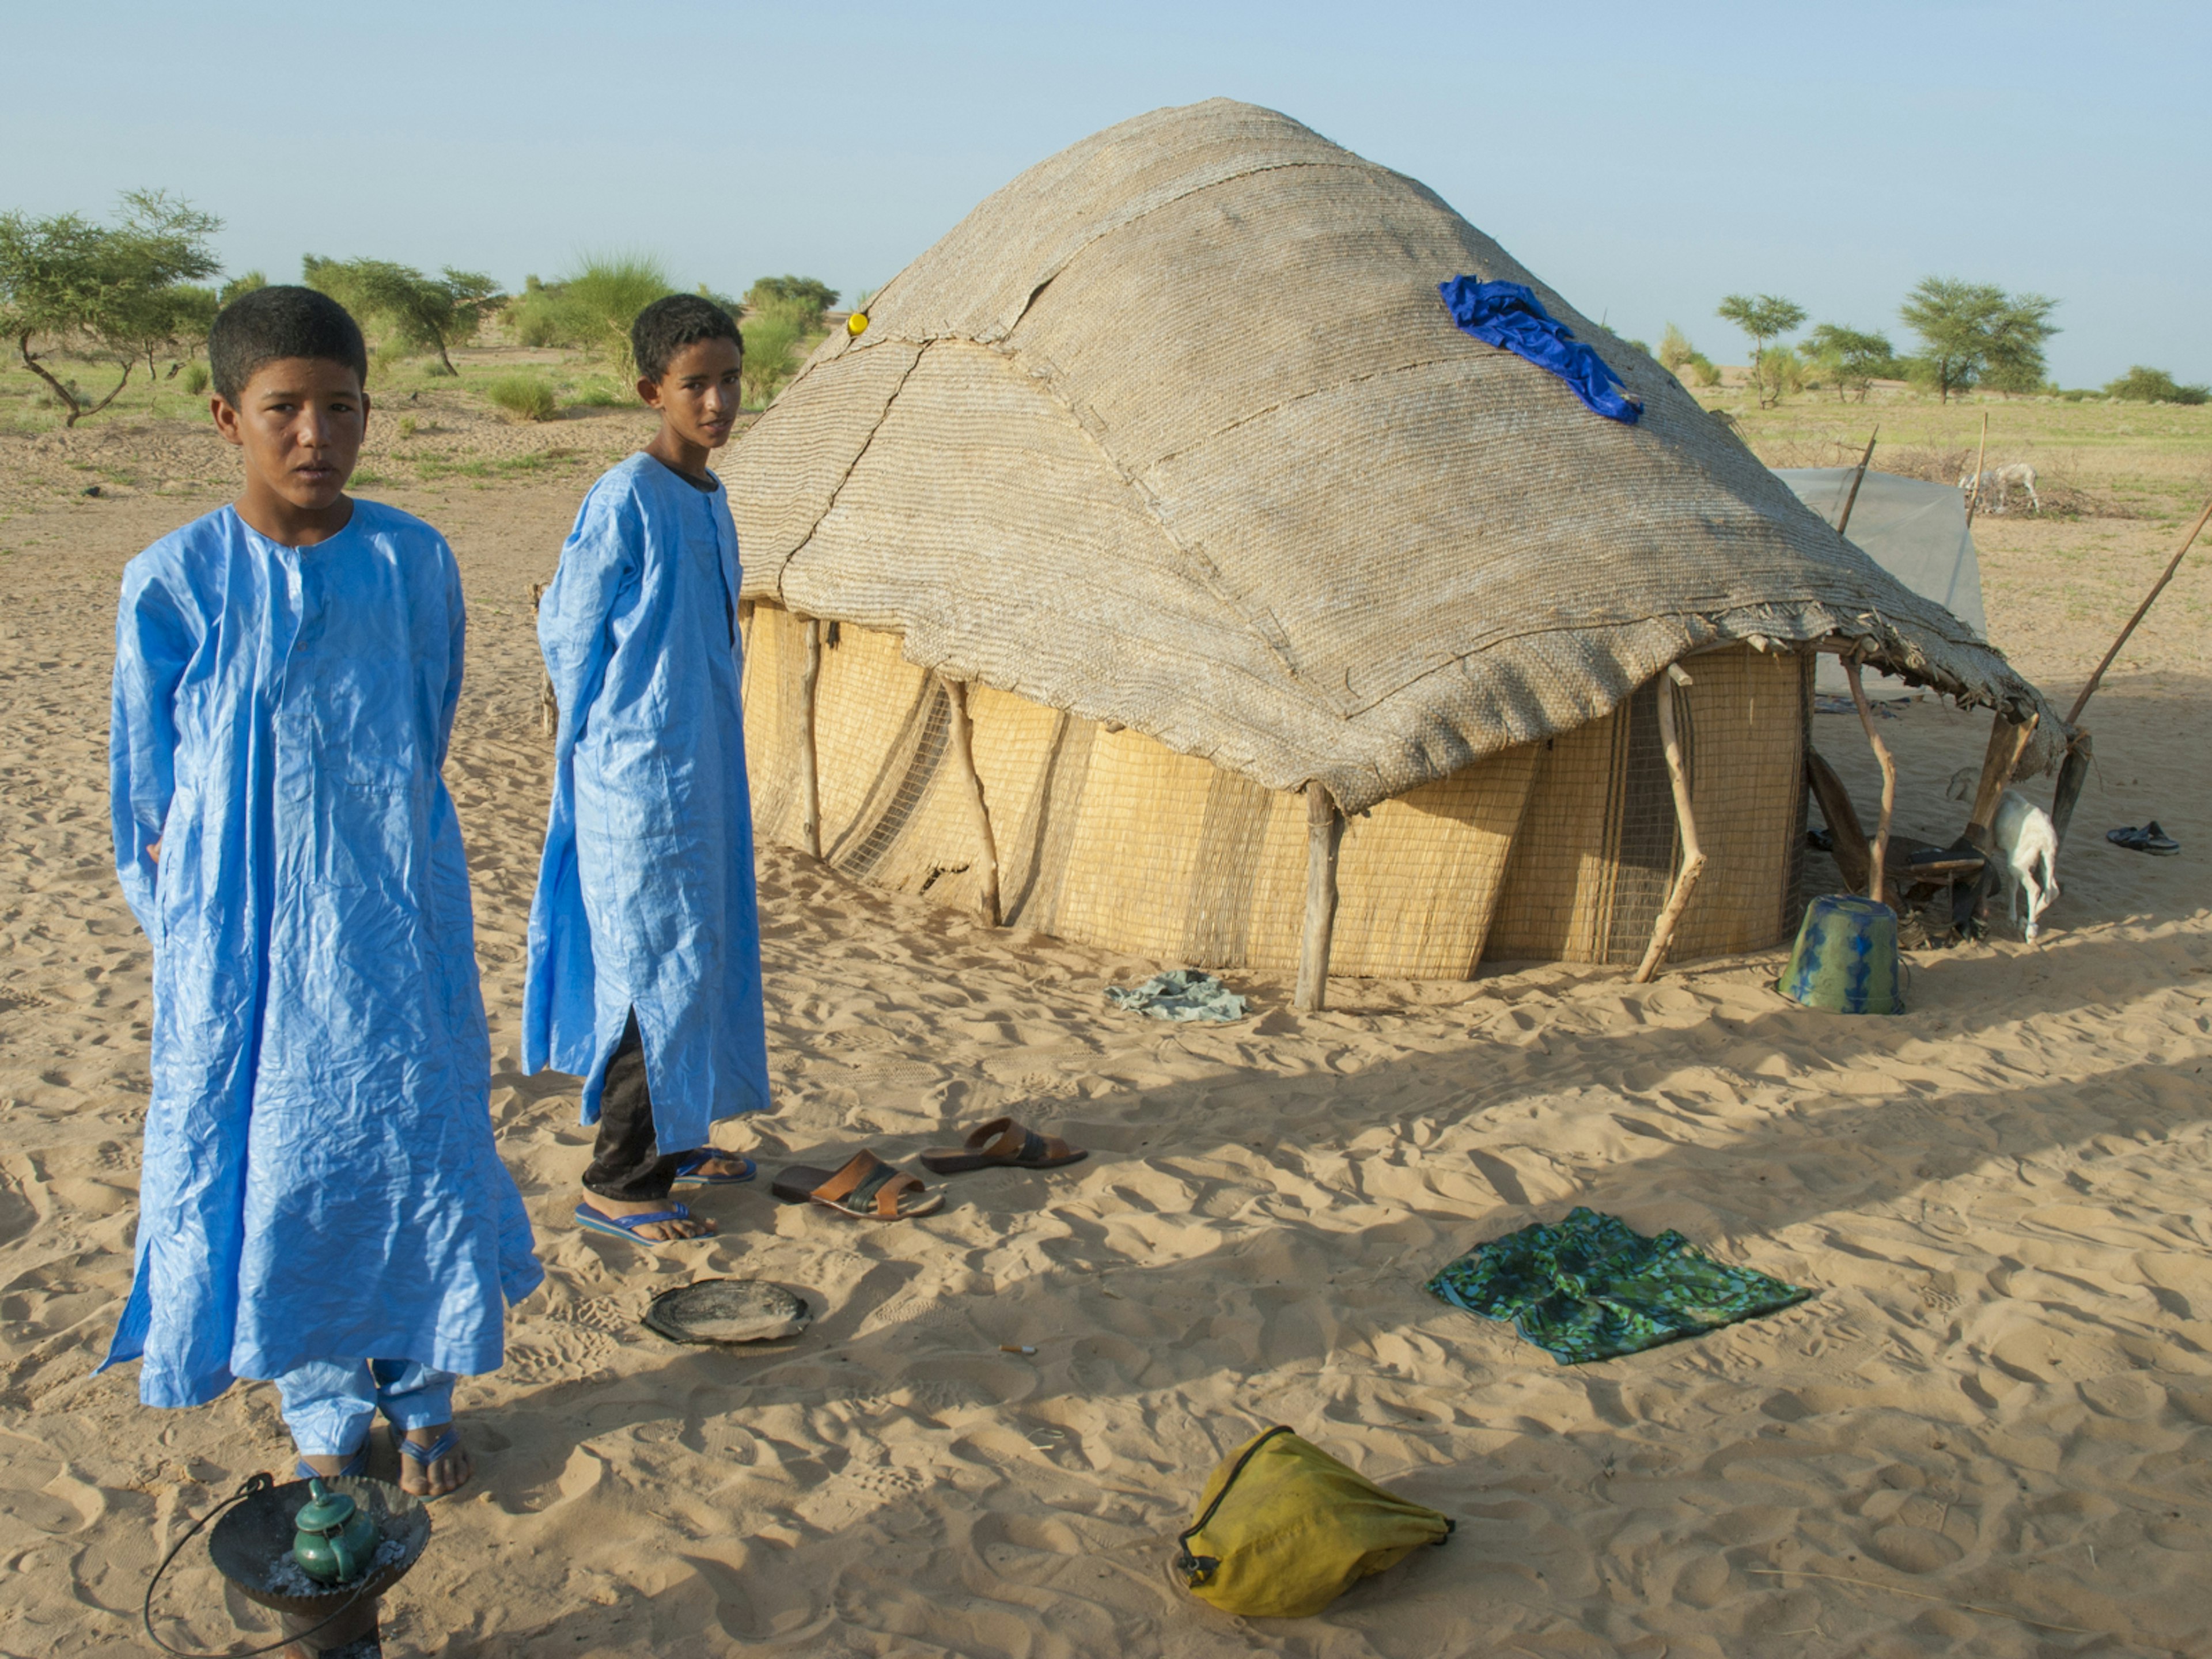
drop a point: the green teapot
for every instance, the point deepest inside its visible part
(337, 1539)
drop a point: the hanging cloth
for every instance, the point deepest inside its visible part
(1511, 316)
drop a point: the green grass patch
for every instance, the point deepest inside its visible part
(525, 396)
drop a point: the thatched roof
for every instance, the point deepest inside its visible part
(1173, 431)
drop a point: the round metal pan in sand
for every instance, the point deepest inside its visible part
(718, 1312)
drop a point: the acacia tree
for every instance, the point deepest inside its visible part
(1763, 316)
(427, 313)
(1850, 357)
(1975, 333)
(113, 293)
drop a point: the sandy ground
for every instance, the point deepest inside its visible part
(1989, 1432)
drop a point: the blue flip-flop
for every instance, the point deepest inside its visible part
(357, 1464)
(691, 1171)
(427, 1455)
(626, 1226)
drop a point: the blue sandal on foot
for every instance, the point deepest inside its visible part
(357, 1464)
(626, 1226)
(427, 1456)
(691, 1171)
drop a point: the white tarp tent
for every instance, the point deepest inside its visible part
(1914, 530)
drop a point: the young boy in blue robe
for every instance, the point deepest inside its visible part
(644, 968)
(322, 1206)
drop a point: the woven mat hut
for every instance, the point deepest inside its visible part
(1161, 514)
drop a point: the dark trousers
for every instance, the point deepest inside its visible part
(626, 1162)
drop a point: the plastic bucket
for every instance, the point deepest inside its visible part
(1845, 959)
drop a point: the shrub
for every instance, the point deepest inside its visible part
(1776, 371)
(406, 426)
(2155, 386)
(1702, 370)
(525, 396)
(773, 334)
(196, 379)
(810, 296)
(599, 302)
(1675, 349)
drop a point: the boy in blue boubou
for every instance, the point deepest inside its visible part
(644, 974)
(322, 1205)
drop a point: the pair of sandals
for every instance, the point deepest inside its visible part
(2148, 839)
(868, 1189)
(426, 1456)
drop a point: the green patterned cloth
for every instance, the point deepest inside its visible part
(1181, 993)
(1591, 1288)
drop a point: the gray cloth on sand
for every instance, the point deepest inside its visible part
(1180, 993)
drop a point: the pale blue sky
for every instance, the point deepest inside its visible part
(1644, 158)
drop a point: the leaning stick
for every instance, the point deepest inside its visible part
(1857, 478)
(810, 784)
(1880, 849)
(1981, 459)
(549, 706)
(2157, 588)
(1324, 838)
(964, 748)
(1693, 856)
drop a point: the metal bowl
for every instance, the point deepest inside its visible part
(720, 1312)
(253, 1540)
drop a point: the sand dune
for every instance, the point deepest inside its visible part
(2000, 1397)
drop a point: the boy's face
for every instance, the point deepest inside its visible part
(300, 420)
(697, 397)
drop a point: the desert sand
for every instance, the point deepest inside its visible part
(1989, 1433)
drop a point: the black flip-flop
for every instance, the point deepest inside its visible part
(2149, 839)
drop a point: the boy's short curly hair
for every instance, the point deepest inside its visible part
(270, 323)
(666, 326)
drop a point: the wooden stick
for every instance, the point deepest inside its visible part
(1857, 478)
(1880, 850)
(549, 706)
(1996, 772)
(963, 747)
(2157, 588)
(1693, 856)
(810, 781)
(1981, 460)
(2073, 773)
(1854, 856)
(1324, 838)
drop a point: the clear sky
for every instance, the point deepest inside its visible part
(1645, 158)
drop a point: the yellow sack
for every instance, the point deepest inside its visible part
(1284, 1529)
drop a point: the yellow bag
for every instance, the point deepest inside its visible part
(1284, 1529)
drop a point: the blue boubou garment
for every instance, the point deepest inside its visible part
(321, 1180)
(646, 893)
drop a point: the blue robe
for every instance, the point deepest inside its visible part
(321, 1180)
(646, 893)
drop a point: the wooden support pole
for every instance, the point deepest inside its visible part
(1981, 459)
(809, 779)
(1880, 850)
(2073, 773)
(1324, 837)
(963, 749)
(2157, 588)
(549, 706)
(1848, 841)
(1857, 478)
(1996, 772)
(1693, 856)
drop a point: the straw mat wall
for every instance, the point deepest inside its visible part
(1107, 836)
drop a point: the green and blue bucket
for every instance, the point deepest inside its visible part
(1845, 959)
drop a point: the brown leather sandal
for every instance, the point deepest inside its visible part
(1013, 1148)
(866, 1188)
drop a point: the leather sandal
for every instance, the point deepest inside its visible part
(1002, 1144)
(866, 1188)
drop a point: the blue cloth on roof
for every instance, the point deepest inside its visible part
(1510, 315)
(646, 892)
(321, 1180)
